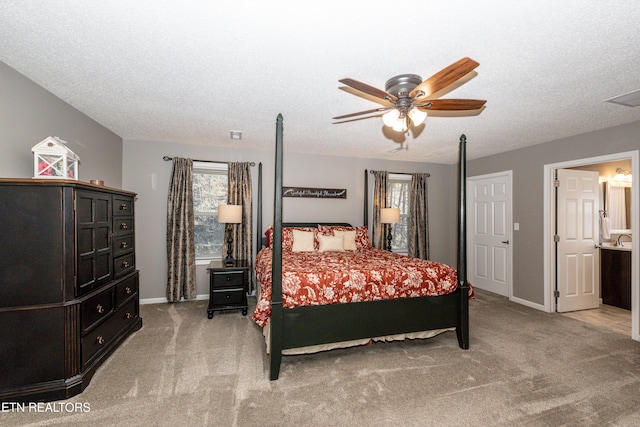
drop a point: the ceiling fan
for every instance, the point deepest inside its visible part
(408, 98)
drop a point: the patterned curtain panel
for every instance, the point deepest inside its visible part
(181, 250)
(418, 229)
(380, 196)
(239, 193)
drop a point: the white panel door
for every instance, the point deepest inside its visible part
(578, 262)
(490, 233)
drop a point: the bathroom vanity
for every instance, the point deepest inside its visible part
(615, 275)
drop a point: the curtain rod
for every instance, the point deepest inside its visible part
(167, 158)
(401, 173)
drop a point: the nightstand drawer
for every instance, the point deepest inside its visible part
(227, 296)
(228, 286)
(228, 279)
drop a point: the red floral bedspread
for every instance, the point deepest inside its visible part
(315, 278)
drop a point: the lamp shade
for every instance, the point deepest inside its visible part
(389, 215)
(230, 214)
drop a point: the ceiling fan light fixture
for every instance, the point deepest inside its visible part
(408, 96)
(391, 117)
(400, 124)
(417, 116)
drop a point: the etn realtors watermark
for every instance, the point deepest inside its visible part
(45, 407)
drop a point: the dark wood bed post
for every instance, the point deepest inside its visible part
(365, 220)
(259, 214)
(463, 329)
(276, 269)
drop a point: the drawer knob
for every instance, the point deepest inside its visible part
(128, 315)
(228, 296)
(100, 308)
(124, 245)
(127, 290)
(125, 264)
(123, 207)
(228, 278)
(100, 339)
(123, 225)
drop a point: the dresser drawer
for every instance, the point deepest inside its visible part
(228, 279)
(122, 206)
(124, 264)
(101, 337)
(123, 245)
(122, 226)
(228, 296)
(126, 289)
(96, 308)
(128, 312)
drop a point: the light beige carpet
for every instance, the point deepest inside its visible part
(525, 368)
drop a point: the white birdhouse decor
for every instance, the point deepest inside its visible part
(52, 159)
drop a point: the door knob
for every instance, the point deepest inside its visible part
(506, 242)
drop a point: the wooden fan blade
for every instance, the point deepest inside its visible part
(370, 90)
(451, 104)
(445, 77)
(375, 110)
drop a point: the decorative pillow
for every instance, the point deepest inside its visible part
(349, 238)
(331, 243)
(362, 233)
(287, 236)
(269, 235)
(303, 241)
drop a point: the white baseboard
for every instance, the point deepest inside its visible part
(165, 301)
(528, 303)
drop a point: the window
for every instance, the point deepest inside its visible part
(209, 191)
(399, 188)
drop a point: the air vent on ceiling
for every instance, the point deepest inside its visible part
(631, 99)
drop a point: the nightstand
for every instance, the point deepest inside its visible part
(228, 287)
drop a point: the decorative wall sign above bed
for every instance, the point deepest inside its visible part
(316, 193)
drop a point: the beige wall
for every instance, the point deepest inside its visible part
(29, 114)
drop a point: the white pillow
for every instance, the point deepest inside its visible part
(302, 241)
(349, 238)
(331, 243)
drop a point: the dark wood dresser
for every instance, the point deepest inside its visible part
(68, 284)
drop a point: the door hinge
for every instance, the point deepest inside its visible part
(556, 182)
(556, 294)
(556, 238)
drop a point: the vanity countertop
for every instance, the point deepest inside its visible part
(628, 246)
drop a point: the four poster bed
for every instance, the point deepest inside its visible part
(322, 295)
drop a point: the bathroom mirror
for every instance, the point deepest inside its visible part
(618, 200)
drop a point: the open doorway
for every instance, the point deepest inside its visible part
(549, 231)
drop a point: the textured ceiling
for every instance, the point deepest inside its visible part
(190, 71)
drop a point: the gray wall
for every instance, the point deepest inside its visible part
(145, 173)
(528, 191)
(29, 114)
